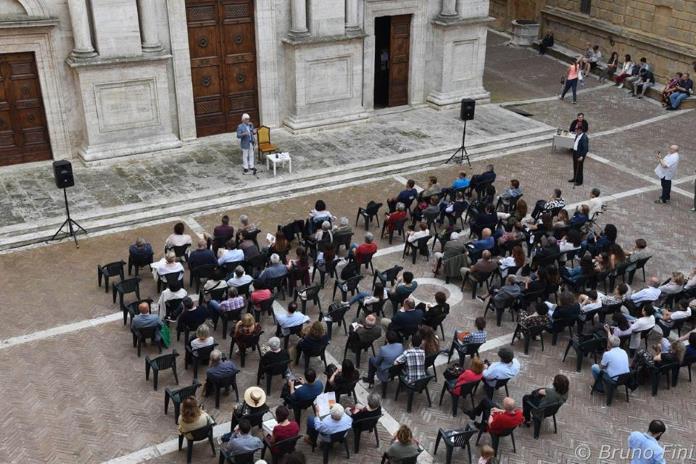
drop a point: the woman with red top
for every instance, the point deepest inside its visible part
(260, 293)
(284, 429)
(392, 218)
(571, 80)
(473, 374)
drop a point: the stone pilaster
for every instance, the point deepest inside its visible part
(148, 26)
(79, 20)
(298, 26)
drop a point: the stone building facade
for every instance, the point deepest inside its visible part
(98, 79)
(664, 31)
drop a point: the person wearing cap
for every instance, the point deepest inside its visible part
(254, 404)
(322, 429)
(507, 368)
(245, 134)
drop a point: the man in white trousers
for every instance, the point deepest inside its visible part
(245, 134)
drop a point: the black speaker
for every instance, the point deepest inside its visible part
(467, 111)
(62, 171)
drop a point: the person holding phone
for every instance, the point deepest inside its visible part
(666, 170)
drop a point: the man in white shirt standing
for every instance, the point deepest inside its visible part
(666, 170)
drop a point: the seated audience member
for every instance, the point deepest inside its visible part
(248, 247)
(241, 441)
(473, 374)
(145, 320)
(487, 177)
(433, 188)
(340, 378)
(407, 319)
(666, 318)
(230, 254)
(293, 318)
(254, 404)
(320, 213)
(412, 236)
(218, 369)
(215, 283)
(385, 358)
(246, 228)
(435, 312)
(544, 397)
(275, 354)
(640, 251)
(454, 247)
(556, 201)
(670, 87)
(580, 120)
(626, 71)
(403, 446)
(507, 368)
(589, 302)
(284, 429)
(141, 251)
(649, 294)
(234, 302)
(621, 327)
(240, 278)
(174, 291)
(278, 245)
(201, 255)
(322, 429)
(178, 238)
(674, 285)
(595, 203)
(372, 410)
(224, 231)
(169, 266)
(431, 343)
(611, 68)
(245, 328)
(476, 336)
(690, 351)
(513, 191)
(691, 280)
(567, 308)
(484, 266)
(324, 233)
(192, 317)
(202, 338)
(581, 216)
(614, 363)
(274, 271)
(594, 56)
(461, 182)
(301, 390)
(367, 330)
(495, 420)
(683, 91)
(192, 417)
(486, 242)
(365, 250)
(505, 296)
(260, 294)
(314, 337)
(399, 214)
(646, 321)
(343, 227)
(405, 285)
(413, 360)
(488, 219)
(539, 318)
(405, 197)
(643, 67)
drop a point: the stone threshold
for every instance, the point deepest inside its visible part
(18, 235)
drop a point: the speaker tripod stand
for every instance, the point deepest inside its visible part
(461, 154)
(73, 226)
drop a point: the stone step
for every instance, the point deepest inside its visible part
(24, 234)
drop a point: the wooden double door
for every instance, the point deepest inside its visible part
(222, 45)
(23, 128)
(393, 43)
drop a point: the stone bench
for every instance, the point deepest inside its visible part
(568, 55)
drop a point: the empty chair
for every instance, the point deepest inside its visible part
(593, 345)
(529, 335)
(159, 363)
(357, 347)
(457, 438)
(388, 275)
(109, 270)
(370, 212)
(463, 349)
(394, 371)
(310, 293)
(412, 388)
(350, 285)
(124, 287)
(177, 396)
(495, 438)
(263, 136)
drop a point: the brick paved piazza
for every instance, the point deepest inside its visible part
(76, 390)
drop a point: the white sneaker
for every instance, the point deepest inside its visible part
(621, 85)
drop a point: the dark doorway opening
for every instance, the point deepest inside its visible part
(382, 55)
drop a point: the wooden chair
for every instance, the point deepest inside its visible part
(264, 139)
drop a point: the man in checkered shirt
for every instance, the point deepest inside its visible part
(414, 358)
(234, 302)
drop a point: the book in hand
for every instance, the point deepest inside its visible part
(268, 426)
(324, 403)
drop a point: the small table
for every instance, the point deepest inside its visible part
(276, 158)
(563, 140)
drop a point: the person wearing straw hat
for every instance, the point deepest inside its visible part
(254, 404)
(245, 134)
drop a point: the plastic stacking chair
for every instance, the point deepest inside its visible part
(204, 433)
(177, 396)
(109, 270)
(370, 212)
(159, 363)
(458, 438)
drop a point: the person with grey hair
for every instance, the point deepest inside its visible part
(363, 252)
(614, 362)
(274, 355)
(324, 234)
(247, 140)
(202, 338)
(343, 227)
(275, 270)
(371, 411)
(219, 368)
(141, 251)
(392, 218)
(322, 429)
(240, 277)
